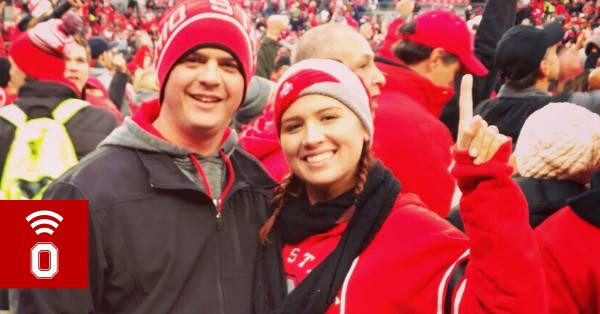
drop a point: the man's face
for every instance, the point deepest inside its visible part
(443, 74)
(552, 64)
(77, 66)
(202, 92)
(106, 59)
(354, 51)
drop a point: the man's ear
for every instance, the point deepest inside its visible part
(105, 55)
(435, 58)
(544, 67)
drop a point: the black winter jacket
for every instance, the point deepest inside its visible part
(510, 113)
(156, 245)
(38, 99)
(498, 16)
(544, 198)
(512, 107)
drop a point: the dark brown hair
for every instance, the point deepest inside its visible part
(412, 53)
(528, 80)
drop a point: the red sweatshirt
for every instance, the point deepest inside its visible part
(571, 251)
(408, 266)
(411, 140)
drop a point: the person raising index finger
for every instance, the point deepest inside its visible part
(474, 135)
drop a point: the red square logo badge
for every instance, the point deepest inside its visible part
(44, 244)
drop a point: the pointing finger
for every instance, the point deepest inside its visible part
(465, 101)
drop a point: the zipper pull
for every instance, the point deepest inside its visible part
(219, 219)
(216, 201)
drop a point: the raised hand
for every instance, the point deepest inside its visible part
(75, 3)
(474, 135)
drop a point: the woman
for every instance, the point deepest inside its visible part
(342, 238)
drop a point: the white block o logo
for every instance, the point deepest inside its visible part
(35, 260)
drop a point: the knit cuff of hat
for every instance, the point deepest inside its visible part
(337, 91)
(38, 64)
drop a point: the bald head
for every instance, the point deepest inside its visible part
(594, 79)
(344, 44)
(323, 42)
(277, 23)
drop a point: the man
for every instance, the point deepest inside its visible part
(42, 88)
(269, 45)
(527, 59)
(328, 41)
(342, 43)
(78, 72)
(110, 68)
(410, 138)
(175, 205)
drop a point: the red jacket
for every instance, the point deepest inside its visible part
(97, 95)
(411, 140)
(571, 251)
(259, 138)
(416, 254)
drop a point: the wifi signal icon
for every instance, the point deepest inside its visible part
(40, 225)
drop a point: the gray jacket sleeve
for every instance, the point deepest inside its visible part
(257, 96)
(589, 100)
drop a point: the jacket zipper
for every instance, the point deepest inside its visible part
(220, 293)
(218, 202)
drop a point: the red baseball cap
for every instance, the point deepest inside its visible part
(444, 29)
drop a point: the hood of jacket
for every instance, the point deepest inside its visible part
(509, 92)
(546, 196)
(138, 133)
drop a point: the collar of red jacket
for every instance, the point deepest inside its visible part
(399, 78)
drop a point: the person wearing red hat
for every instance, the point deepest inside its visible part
(345, 238)
(37, 67)
(175, 204)
(420, 75)
(328, 41)
(42, 88)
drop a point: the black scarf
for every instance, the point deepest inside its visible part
(318, 290)
(300, 220)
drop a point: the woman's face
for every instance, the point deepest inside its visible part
(322, 140)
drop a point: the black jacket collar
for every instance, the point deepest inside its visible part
(545, 196)
(587, 206)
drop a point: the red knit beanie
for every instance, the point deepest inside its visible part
(40, 52)
(192, 24)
